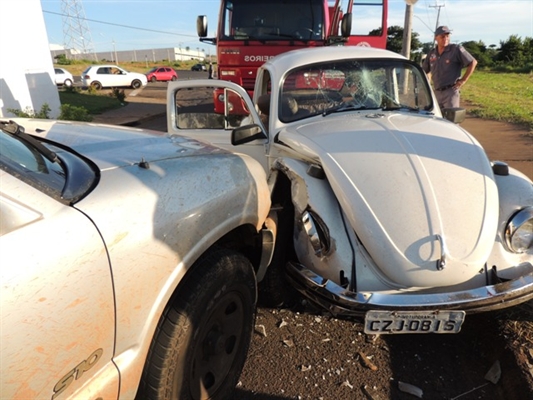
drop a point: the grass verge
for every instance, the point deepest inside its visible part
(93, 103)
(506, 97)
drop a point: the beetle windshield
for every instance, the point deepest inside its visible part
(337, 86)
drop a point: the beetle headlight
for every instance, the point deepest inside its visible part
(519, 231)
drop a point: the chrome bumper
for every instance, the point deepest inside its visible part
(342, 302)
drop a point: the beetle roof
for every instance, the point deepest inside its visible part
(294, 58)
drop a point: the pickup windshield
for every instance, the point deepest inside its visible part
(347, 85)
(273, 20)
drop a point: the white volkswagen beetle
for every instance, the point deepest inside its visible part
(128, 262)
(385, 207)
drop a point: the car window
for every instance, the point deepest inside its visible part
(23, 161)
(209, 108)
(353, 84)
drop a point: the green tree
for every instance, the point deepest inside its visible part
(511, 52)
(480, 52)
(395, 39)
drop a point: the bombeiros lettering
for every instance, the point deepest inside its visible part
(254, 58)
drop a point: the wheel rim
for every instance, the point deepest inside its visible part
(221, 340)
(153, 79)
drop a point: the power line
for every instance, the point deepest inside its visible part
(124, 26)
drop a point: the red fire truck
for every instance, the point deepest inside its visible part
(252, 31)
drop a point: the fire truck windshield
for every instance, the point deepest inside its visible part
(273, 20)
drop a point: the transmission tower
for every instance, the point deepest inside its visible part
(76, 34)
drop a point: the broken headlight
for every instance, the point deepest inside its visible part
(519, 231)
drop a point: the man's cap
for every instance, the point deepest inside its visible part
(442, 30)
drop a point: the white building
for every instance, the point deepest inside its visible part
(149, 55)
(26, 69)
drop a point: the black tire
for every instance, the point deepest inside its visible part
(136, 84)
(173, 78)
(67, 83)
(152, 79)
(96, 85)
(202, 340)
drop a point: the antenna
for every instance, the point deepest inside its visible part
(76, 34)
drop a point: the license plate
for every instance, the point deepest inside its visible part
(394, 322)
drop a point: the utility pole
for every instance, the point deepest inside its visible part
(407, 28)
(438, 6)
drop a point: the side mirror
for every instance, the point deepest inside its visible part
(346, 25)
(246, 134)
(455, 115)
(201, 25)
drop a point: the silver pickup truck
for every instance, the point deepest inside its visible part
(129, 262)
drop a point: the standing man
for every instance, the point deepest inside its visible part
(444, 63)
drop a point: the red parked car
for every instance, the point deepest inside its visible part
(161, 74)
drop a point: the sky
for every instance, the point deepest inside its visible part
(145, 24)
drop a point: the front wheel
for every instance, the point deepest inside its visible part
(68, 83)
(153, 79)
(202, 340)
(174, 78)
(136, 84)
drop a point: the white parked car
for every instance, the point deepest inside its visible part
(105, 76)
(386, 209)
(63, 77)
(128, 262)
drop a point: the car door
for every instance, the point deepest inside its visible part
(164, 74)
(105, 76)
(57, 303)
(120, 77)
(208, 110)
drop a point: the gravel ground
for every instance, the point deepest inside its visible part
(303, 353)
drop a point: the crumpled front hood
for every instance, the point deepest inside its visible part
(416, 190)
(114, 146)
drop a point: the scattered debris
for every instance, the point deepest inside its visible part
(470, 391)
(261, 330)
(288, 342)
(347, 383)
(411, 389)
(305, 368)
(372, 338)
(326, 340)
(282, 324)
(366, 361)
(371, 393)
(494, 373)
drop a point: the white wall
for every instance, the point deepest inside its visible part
(26, 67)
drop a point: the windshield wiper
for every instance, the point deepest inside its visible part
(14, 129)
(402, 107)
(343, 107)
